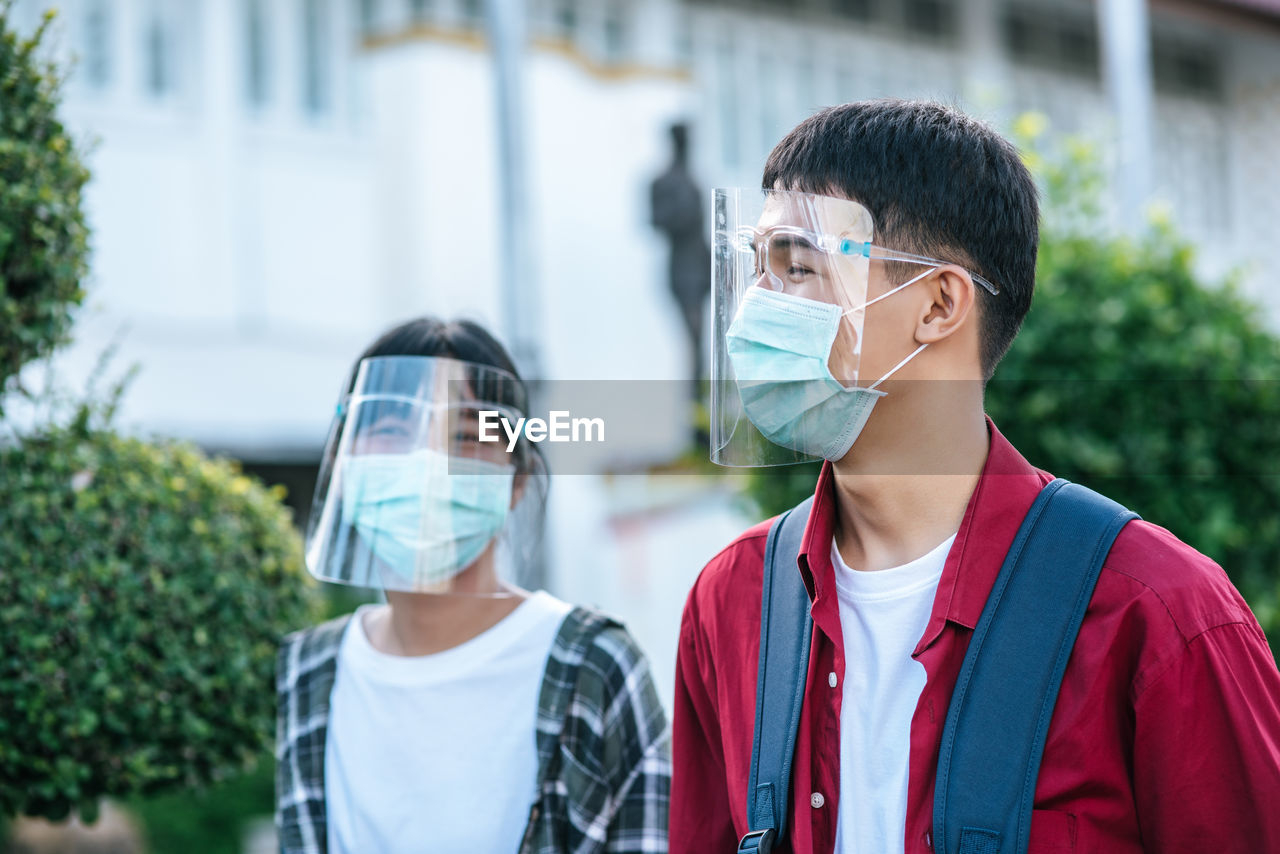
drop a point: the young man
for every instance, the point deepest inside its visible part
(900, 239)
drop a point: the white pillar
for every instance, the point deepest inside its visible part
(517, 285)
(986, 72)
(231, 256)
(1125, 36)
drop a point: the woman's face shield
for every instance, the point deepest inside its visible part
(412, 498)
(814, 248)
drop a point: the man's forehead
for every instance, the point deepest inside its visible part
(827, 214)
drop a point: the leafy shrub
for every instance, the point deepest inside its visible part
(43, 238)
(143, 589)
(1133, 377)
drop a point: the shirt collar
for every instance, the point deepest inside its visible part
(1006, 489)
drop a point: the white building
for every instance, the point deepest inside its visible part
(276, 181)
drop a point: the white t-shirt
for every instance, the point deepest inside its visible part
(883, 614)
(437, 752)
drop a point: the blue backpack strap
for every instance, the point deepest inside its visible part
(1004, 697)
(785, 631)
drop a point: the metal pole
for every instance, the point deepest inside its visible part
(520, 306)
(1125, 33)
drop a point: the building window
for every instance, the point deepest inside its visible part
(855, 10)
(473, 12)
(933, 19)
(368, 15)
(1186, 69)
(565, 19)
(158, 55)
(97, 44)
(1062, 42)
(258, 63)
(727, 100)
(316, 56)
(684, 41)
(615, 33)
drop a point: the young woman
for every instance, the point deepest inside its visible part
(467, 714)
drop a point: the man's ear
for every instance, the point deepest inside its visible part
(951, 293)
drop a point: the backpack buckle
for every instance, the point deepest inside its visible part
(757, 842)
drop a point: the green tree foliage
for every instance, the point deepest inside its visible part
(1134, 377)
(43, 238)
(143, 591)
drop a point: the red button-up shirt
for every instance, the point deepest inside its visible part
(1166, 733)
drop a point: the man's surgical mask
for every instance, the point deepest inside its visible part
(426, 515)
(779, 345)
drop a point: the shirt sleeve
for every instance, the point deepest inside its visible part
(1207, 747)
(700, 819)
(635, 748)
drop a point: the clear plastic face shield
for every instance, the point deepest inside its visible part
(790, 296)
(409, 498)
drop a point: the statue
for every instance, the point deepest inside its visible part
(677, 207)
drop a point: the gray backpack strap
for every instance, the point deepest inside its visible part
(1004, 697)
(786, 628)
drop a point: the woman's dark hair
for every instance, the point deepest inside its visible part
(466, 341)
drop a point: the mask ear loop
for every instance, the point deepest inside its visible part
(896, 367)
(890, 293)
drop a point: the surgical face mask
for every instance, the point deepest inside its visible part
(425, 515)
(779, 345)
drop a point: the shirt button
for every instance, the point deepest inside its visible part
(831, 679)
(816, 800)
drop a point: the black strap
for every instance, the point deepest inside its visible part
(785, 631)
(1003, 701)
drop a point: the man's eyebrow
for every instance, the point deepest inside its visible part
(791, 241)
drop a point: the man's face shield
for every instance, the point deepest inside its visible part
(791, 274)
(796, 244)
(409, 498)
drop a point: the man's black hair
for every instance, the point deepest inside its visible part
(936, 183)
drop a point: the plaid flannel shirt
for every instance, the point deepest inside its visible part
(604, 767)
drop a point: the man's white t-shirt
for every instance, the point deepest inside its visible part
(883, 614)
(437, 752)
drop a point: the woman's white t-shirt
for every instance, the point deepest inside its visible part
(883, 614)
(437, 752)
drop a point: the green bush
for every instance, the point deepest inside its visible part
(143, 590)
(1132, 376)
(208, 821)
(43, 238)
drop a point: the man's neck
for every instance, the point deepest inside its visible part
(904, 486)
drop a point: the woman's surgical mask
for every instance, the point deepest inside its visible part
(425, 515)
